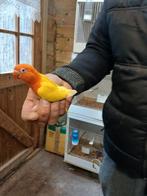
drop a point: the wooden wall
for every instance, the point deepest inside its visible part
(16, 136)
(60, 32)
(11, 100)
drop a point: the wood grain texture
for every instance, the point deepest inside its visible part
(9, 147)
(14, 129)
(15, 134)
(13, 163)
(6, 80)
(60, 37)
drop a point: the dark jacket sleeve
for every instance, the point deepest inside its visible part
(96, 60)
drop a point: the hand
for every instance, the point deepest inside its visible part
(41, 110)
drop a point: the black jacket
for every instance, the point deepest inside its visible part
(118, 42)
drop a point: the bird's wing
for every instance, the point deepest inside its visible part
(49, 82)
(45, 91)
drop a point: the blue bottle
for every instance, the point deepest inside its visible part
(75, 137)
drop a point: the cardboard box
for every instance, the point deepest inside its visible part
(55, 139)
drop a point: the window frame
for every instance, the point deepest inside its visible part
(18, 34)
(6, 79)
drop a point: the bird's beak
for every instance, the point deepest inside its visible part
(16, 74)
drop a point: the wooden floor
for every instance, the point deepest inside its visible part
(47, 175)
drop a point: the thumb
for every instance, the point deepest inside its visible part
(32, 116)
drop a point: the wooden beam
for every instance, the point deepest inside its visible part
(14, 129)
(13, 163)
(35, 134)
(37, 46)
(44, 15)
(7, 80)
(16, 33)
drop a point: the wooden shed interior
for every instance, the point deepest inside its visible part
(25, 168)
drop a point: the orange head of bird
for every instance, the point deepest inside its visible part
(25, 72)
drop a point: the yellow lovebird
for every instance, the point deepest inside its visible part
(44, 87)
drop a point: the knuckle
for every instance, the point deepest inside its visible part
(52, 122)
(43, 113)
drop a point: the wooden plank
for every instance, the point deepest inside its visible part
(60, 64)
(51, 29)
(3, 100)
(67, 18)
(7, 80)
(63, 56)
(51, 8)
(65, 31)
(50, 63)
(20, 95)
(65, 44)
(44, 4)
(51, 37)
(50, 49)
(51, 25)
(50, 45)
(33, 153)
(11, 102)
(13, 163)
(64, 6)
(9, 146)
(35, 134)
(37, 46)
(15, 33)
(14, 129)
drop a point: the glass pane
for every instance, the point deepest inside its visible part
(7, 22)
(25, 24)
(88, 12)
(7, 53)
(26, 49)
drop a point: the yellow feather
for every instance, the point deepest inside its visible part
(41, 84)
(45, 79)
(53, 92)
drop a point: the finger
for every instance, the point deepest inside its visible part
(68, 102)
(62, 107)
(31, 95)
(68, 99)
(27, 112)
(32, 116)
(54, 113)
(66, 85)
(44, 110)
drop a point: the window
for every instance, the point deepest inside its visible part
(86, 13)
(16, 38)
(17, 33)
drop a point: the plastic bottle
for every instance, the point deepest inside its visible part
(75, 137)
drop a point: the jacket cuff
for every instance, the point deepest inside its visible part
(71, 76)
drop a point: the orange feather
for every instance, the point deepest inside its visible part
(28, 74)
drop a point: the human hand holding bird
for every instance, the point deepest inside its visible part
(43, 86)
(54, 90)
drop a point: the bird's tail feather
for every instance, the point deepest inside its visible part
(72, 93)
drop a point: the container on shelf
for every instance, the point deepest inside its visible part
(55, 137)
(85, 115)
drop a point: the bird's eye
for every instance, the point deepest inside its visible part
(23, 70)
